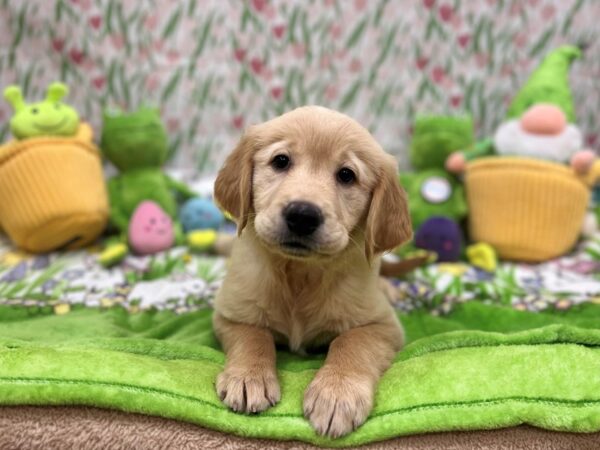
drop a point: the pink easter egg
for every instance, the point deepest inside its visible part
(150, 229)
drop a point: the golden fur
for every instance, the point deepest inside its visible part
(330, 296)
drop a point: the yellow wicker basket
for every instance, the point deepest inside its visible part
(52, 191)
(528, 210)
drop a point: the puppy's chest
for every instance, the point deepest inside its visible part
(305, 313)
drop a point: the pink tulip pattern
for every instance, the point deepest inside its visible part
(214, 67)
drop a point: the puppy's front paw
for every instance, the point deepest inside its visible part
(335, 404)
(248, 390)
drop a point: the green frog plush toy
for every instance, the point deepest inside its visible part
(431, 190)
(143, 199)
(437, 201)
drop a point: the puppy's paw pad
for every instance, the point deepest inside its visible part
(248, 391)
(336, 405)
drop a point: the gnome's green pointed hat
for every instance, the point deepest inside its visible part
(549, 83)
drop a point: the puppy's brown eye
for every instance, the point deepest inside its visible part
(346, 176)
(281, 162)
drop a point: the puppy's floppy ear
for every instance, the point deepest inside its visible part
(388, 221)
(233, 186)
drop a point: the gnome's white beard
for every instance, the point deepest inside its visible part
(511, 139)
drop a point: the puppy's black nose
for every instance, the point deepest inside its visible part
(302, 218)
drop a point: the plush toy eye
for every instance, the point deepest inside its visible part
(281, 162)
(34, 110)
(346, 176)
(436, 190)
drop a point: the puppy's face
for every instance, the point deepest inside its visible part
(310, 194)
(316, 183)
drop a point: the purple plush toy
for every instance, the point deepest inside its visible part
(442, 236)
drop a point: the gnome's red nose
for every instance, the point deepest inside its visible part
(544, 118)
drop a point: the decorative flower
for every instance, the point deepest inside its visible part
(276, 92)
(422, 63)
(76, 56)
(279, 31)
(14, 257)
(72, 274)
(563, 304)
(456, 269)
(548, 12)
(62, 308)
(446, 12)
(95, 22)
(238, 122)
(520, 306)
(360, 4)
(438, 74)
(464, 39)
(99, 82)
(16, 274)
(259, 5)
(456, 100)
(58, 45)
(256, 64)
(429, 4)
(48, 285)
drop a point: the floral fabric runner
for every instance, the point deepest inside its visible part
(183, 282)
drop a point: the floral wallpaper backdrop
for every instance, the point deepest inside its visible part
(215, 66)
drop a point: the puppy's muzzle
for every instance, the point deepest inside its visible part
(302, 218)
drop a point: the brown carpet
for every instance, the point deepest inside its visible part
(82, 428)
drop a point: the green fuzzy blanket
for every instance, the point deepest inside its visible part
(479, 367)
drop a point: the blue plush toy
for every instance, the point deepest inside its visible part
(200, 214)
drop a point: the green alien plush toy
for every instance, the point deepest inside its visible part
(50, 117)
(143, 199)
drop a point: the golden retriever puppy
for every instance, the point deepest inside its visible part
(317, 201)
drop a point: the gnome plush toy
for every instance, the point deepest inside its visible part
(540, 121)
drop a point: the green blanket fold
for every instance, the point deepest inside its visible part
(481, 367)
